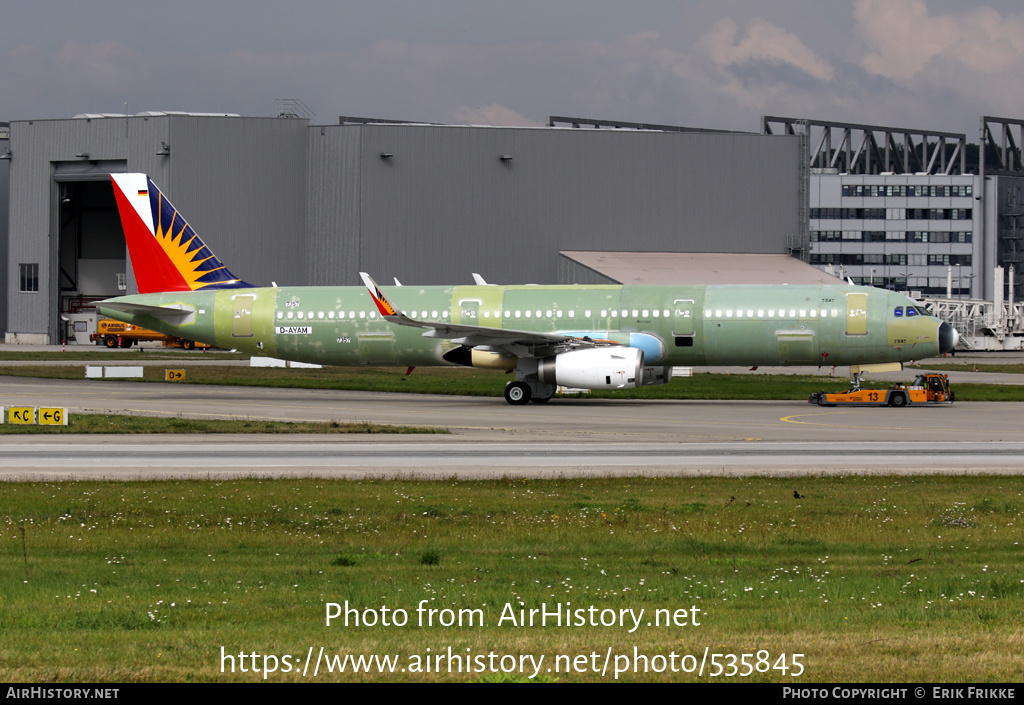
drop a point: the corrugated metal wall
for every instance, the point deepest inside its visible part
(332, 202)
(5, 209)
(445, 203)
(240, 182)
(38, 146)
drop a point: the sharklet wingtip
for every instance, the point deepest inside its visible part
(385, 307)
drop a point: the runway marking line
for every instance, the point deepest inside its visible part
(792, 419)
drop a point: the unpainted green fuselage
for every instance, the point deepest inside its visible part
(690, 325)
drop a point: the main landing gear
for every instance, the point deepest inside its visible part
(527, 386)
(518, 393)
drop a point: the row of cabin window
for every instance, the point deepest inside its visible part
(645, 313)
(656, 313)
(605, 313)
(770, 313)
(340, 315)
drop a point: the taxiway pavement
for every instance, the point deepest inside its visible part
(491, 438)
(135, 458)
(492, 418)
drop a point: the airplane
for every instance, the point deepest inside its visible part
(578, 336)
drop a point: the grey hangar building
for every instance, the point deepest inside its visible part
(284, 201)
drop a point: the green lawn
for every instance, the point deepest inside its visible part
(434, 380)
(865, 578)
(120, 423)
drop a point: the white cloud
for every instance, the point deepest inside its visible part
(907, 39)
(965, 64)
(763, 41)
(705, 63)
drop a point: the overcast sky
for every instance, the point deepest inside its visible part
(929, 64)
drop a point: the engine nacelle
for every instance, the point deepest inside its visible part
(614, 367)
(486, 359)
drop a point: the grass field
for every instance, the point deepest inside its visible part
(445, 380)
(870, 579)
(120, 423)
(100, 354)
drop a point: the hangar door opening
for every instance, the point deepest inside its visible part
(91, 253)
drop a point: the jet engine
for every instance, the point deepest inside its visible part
(614, 367)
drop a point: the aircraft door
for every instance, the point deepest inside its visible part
(856, 314)
(683, 330)
(469, 312)
(478, 305)
(241, 326)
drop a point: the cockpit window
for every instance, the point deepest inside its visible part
(898, 312)
(911, 311)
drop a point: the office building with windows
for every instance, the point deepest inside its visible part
(898, 231)
(915, 210)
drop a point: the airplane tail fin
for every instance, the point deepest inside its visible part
(166, 253)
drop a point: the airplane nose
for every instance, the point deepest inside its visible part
(948, 338)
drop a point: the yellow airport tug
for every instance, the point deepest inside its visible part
(925, 389)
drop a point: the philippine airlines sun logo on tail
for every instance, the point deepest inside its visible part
(166, 253)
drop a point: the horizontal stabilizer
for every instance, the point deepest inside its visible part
(174, 314)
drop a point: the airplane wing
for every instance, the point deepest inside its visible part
(474, 336)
